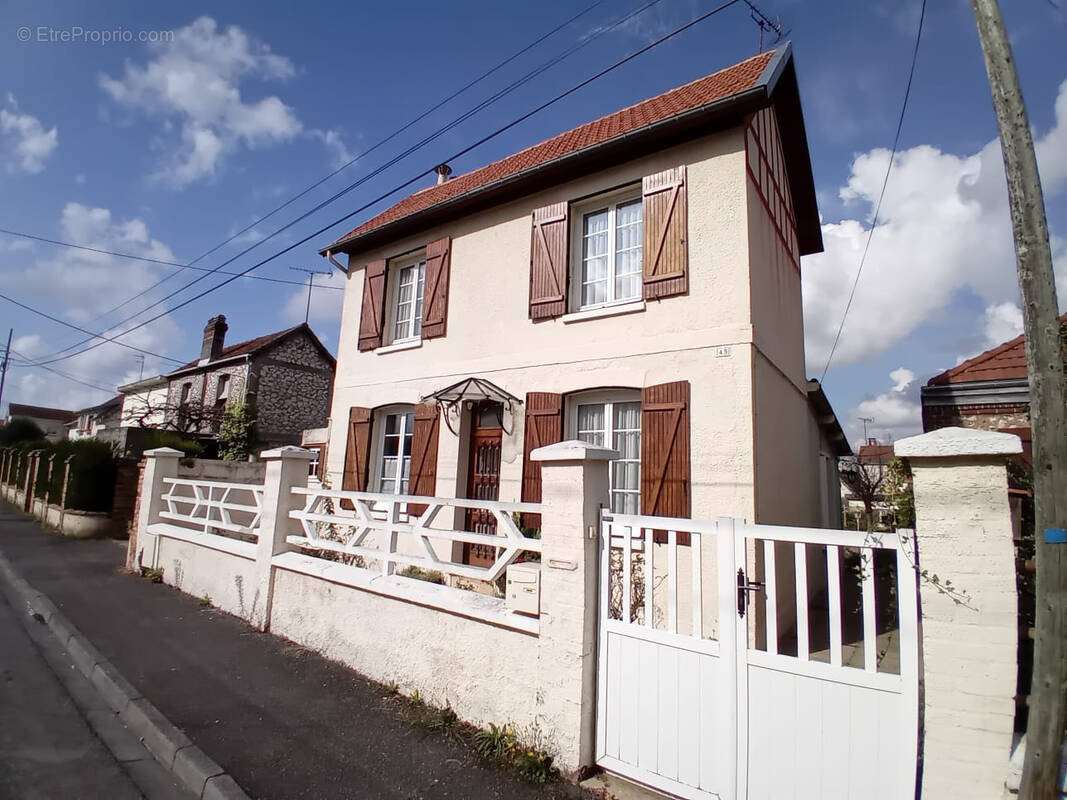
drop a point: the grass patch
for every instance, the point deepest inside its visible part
(419, 574)
(152, 574)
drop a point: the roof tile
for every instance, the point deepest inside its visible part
(1004, 362)
(700, 92)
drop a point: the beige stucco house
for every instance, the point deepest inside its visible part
(633, 282)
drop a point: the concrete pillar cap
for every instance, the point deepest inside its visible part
(574, 451)
(289, 451)
(949, 442)
(164, 452)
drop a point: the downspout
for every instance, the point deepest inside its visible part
(335, 262)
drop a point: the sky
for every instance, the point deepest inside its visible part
(167, 131)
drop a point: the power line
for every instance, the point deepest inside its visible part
(344, 166)
(59, 373)
(526, 78)
(132, 257)
(881, 194)
(455, 156)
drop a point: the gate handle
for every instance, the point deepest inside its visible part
(743, 587)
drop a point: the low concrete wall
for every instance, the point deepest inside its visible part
(72, 523)
(484, 672)
(216, 470)
(228, 580)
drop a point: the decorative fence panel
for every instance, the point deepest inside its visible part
(384, 530)
(214, 507)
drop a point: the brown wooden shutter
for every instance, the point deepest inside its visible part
(544, 425)
(548, 262)
(372, 315)
(423, 476)
(665, 479)
(665, 254)
(435, 305)
(357, 452)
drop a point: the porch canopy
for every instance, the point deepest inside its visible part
(472, 390)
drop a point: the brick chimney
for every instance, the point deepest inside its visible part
(214, 338)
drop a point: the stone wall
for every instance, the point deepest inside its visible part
(293, 384)
(986, 416)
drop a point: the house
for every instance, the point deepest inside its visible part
(144, 402)
(287, 376)
(101, 422)
(633, 282)
(865, 477)
(53, 421)
(989, 391)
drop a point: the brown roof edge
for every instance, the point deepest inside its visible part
(258, 344)
(827, 419)
(776, 83)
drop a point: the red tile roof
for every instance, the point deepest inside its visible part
(875, 453)
(242, 348)
(714, 87)
(1004, 362)
(40, 412)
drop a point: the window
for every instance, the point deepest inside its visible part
(614, 420)
(394, 450)
(408, 279)
(313, 464)
(187, 389)
(222, 392)
(609, 240)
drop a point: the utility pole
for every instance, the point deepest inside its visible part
(311, 280)
(3, 369)
(1048, 410)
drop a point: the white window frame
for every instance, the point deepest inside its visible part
(396, 267)
(607, 398)
(378, 449)
(611, 201)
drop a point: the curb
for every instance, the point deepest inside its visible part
(190, 765)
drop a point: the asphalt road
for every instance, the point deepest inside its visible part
(283, 721)
(47, 750)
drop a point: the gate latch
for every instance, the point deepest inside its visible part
(744, 586)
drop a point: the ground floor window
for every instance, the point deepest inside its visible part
(614, 420)
(394, 448)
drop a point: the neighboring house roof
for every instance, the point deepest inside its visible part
(112, 403)
(144, 384)
(827, 419)
(875, 453)
(1004, 362)
(670, 118)
(254, 346)
(40, 412)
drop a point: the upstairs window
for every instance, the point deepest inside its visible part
(607, 249)
(408, 284)
(222, 392)
(187, 389)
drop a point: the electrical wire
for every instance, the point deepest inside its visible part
(61, 374)
(526, 78)
(881, 194)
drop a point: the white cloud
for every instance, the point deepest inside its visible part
(1003, 321)
(325, 303)
(25, 143)
(338, 150)
(194, 80)
(79, 285)
(894, 414)
(944, 229)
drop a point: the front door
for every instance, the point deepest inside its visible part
(483, 482)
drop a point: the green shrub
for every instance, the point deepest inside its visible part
(237, 434)
(20, 429)
(92, 472)
(158, 438)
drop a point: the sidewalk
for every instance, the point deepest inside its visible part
(283, 721)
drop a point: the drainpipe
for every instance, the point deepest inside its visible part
(335, 262)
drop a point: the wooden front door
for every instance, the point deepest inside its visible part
(483, 481)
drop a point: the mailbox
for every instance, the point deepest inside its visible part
(524, 588)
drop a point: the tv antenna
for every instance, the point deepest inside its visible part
(766, 24)
(311, 283)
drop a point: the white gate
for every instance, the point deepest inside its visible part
(751, 661)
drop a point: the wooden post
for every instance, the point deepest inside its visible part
(1048, 412)
(48, 484)
(63, 495)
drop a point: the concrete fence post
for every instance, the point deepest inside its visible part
(574, 487)
(286, 469)
(160, 463)
(969, 634)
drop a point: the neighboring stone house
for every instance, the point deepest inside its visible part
(287, 376)
(989, 392)
(633, 282)
(52, 421)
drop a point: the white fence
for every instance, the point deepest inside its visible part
(385, 528)
(214, 507)
(753, 661)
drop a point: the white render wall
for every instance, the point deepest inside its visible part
(490, 335)
(969, 650)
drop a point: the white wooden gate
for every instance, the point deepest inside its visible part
(751, 661)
